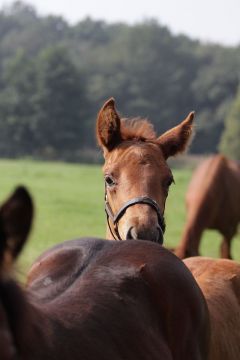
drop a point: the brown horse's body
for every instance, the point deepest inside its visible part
(94, 299)
(219, 280)
(213, 202)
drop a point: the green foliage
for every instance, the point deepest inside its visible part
(17, 106)
(43, 105)
(59, 103)
(214, 88)
(54, 78)
(230, 141)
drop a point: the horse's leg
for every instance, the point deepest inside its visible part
(190, 241)
(225, 249)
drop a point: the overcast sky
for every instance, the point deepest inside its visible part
(208, 20)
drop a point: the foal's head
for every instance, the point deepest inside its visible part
(15, 222)
(137, 177)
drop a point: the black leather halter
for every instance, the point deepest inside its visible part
(138, 200)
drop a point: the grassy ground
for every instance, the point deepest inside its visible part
(69, 204)
(68, 201)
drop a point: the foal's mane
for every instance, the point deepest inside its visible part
(137, 129)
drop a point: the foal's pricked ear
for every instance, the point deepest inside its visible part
(108, 126)
(176, 140)
(15, 222)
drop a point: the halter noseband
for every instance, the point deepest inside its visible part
(138, 200)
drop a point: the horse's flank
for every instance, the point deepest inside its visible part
(219, 280)
(213, 202)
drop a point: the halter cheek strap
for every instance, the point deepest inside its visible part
(138, 200)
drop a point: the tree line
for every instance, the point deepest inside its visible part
(55, 76)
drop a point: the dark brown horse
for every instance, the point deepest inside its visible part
(137, 177)
(135, 167)
(93, 299)
(213, 202)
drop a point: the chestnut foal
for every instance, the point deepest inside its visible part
(137, 177)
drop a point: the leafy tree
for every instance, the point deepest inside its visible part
(17, 107)
(230, 141)
(213, 87)
(60, 103)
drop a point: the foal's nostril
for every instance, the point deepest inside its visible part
(132, 234)
(129, 234)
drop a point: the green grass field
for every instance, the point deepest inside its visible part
(69, 204)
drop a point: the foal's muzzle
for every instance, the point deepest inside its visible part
(144, 233)
(154, 234)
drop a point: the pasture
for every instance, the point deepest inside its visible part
(69, 204)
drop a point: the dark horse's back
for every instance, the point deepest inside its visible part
(120, 300)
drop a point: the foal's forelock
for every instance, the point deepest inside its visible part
(137, 129)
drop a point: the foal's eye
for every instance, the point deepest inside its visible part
(109, 180)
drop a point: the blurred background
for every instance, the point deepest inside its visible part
(60, 60)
